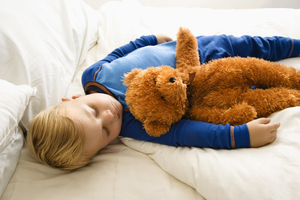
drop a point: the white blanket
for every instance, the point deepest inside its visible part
(270, 172)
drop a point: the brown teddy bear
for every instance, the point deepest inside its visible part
(218, 92)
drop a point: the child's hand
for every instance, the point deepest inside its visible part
(262, 132)
(161, 38)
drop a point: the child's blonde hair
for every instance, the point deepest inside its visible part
(56, 139)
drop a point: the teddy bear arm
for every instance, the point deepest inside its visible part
(187, 50)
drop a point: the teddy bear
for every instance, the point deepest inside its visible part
(232, 90)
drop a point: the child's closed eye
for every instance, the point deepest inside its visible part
(96, 111)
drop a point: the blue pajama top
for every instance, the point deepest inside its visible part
(106, 76)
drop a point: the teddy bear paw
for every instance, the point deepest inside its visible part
(240, 114)
(156, 129)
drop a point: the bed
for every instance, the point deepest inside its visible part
(46, 45)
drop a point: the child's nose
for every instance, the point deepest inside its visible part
(108, 116)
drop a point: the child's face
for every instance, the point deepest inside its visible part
(101, 117)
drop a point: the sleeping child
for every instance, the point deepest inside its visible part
(69, 134)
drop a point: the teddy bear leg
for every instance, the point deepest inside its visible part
(236, 115)
(272, 100)
(266, 74)
(279, 76)
(255, 72)
(187, 50)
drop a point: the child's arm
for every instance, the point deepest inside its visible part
(138, 43)
(269, 48)
(201, 134)
(88, 74)
(127, 48)
(187, 133)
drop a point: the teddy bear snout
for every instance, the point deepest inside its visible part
(172, 80)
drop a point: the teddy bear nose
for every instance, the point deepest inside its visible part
(172, 80)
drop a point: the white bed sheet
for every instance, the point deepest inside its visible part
(142, 170)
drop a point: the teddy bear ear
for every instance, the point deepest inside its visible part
(129, 76)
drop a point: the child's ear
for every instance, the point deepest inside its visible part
(129, 76)
(71, 98)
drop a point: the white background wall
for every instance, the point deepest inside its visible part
(218, 4)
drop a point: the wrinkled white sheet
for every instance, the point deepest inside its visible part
(269, 172)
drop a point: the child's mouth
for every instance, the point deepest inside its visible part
(116, 111)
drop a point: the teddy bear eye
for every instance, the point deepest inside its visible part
(172, 80)
(163, 98)
(154, 81)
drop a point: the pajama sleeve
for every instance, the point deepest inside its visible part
(189, 133)
(131, 46)
(143, 41)
(269, 48)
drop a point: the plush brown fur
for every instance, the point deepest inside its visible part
(220, 92)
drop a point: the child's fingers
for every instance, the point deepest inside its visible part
(273, 136)
(270, 126)
(70, 98)
(66, 98)
(274, 126)
(277, 125)
(273, 132)
(264, 120)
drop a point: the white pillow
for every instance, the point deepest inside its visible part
(13, 102)
(42, 44)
